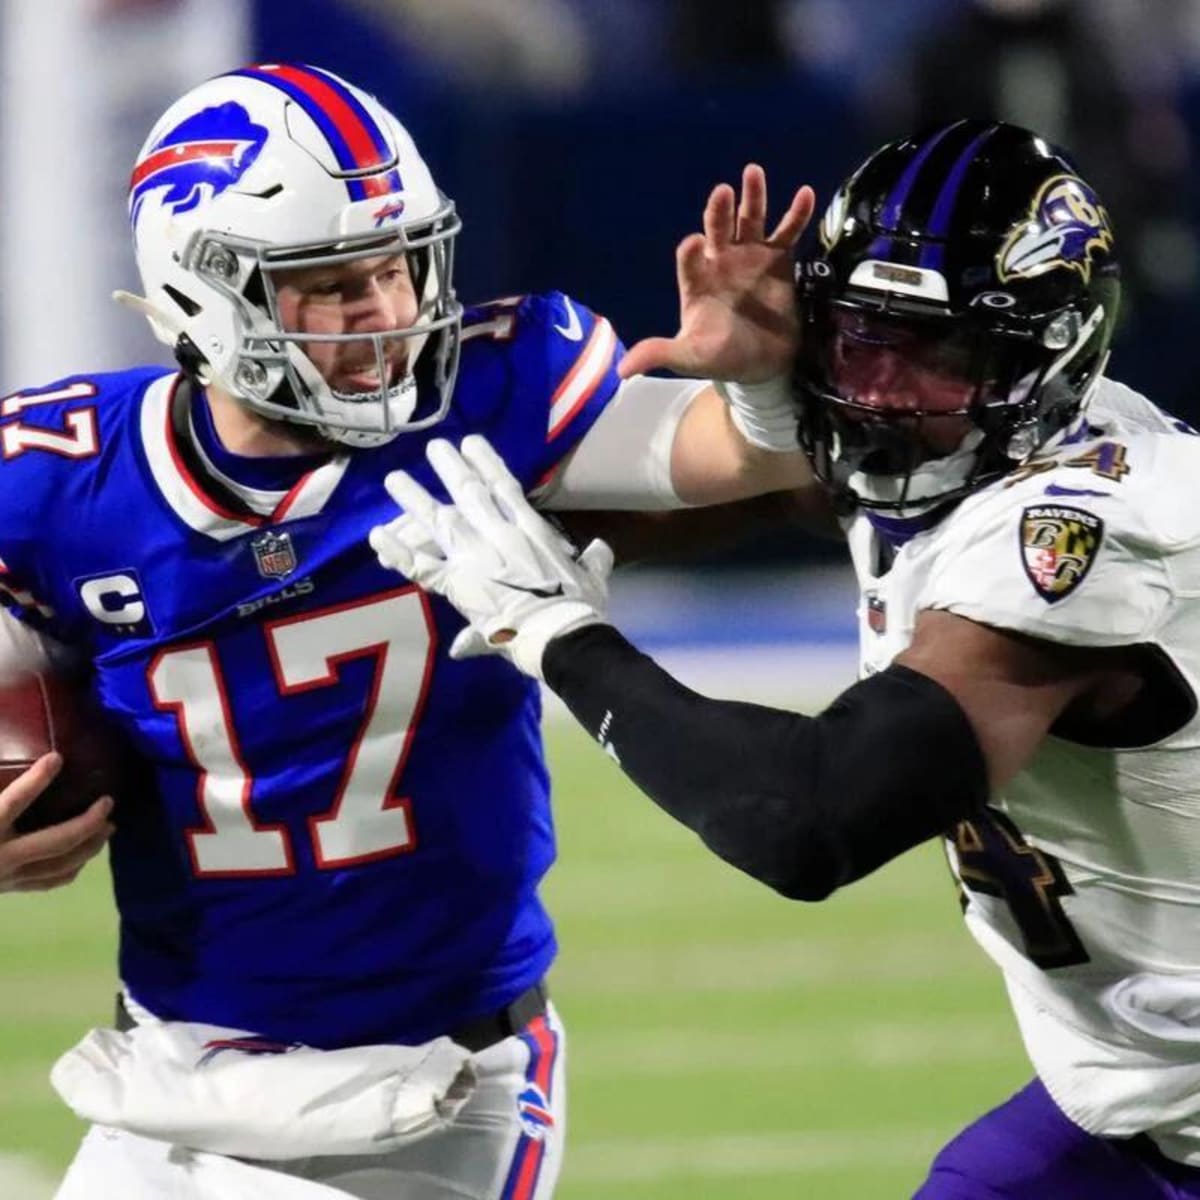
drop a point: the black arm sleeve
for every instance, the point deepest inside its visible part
(804, 804)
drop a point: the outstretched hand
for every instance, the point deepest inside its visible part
(515, 579)
(737, 315)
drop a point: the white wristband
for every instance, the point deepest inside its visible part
(764, 413)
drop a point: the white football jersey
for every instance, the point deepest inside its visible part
(1083, 882)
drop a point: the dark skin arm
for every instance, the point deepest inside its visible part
(806, 804)
(1014, 688)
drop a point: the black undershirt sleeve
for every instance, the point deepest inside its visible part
(804, 804)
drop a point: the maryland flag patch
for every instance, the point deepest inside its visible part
(1058, 546)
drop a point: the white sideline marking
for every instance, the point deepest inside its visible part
(23, 1179)
(623, 1160)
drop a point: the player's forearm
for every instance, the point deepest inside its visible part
(713, 463)
(804, 804)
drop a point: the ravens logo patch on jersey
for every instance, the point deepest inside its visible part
(1058, 546)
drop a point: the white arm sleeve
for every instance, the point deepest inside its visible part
(624, 460)
(22, 648)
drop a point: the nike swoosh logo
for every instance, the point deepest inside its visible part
(543, 593)
(573, 330)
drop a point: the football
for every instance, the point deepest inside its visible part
(40, 712)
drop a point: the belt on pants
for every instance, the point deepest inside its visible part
(487, 1030)
(475, 1035)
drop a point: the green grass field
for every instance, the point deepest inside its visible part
(723, 1041)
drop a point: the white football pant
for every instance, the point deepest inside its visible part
(506, 1144)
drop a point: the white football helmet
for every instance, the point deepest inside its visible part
(277, 167)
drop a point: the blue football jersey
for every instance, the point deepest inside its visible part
(346, 829)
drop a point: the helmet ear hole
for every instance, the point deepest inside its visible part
(189, 306)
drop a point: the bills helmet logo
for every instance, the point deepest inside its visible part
(1065, 227)
(1058, 546)
(198, 159)
(388, 212)
(534, 1110)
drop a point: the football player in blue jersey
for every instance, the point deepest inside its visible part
(346, 829)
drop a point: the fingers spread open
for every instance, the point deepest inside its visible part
(493, 471)
(391, 549)
(752, 210)
(719, 217)
(691, 264)
(412, 498)
(796, 219)
(468, 491)
(510, 497)
(650, 354)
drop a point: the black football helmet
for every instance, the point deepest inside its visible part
(956, 318)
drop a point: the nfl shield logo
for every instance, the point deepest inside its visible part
(274, 555)
(876, 613)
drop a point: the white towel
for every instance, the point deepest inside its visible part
(229, 1092)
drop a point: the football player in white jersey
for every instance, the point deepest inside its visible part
(1029, 555)
(340, 852)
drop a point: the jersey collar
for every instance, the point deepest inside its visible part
(204, 503)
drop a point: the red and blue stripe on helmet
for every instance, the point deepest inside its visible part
(355, 137)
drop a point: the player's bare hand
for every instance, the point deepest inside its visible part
(54, 856)
(737, 309)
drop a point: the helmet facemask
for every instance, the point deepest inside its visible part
(272, 371)
(962, 404)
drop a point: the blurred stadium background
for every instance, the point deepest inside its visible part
(723, 1040)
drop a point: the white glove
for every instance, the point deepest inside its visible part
(764, 413)
(512, 575)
